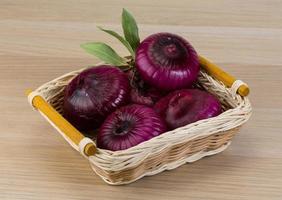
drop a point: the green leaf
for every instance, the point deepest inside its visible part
(130, 29)
(121, 39)
(104, 52)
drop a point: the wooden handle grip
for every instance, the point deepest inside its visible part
(216, 72)
(75, 136)
(59, 121)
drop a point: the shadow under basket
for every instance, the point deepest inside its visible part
(166, 151)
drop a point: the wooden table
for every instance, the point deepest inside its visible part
(39, 40)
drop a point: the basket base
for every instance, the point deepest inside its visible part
(170, 166)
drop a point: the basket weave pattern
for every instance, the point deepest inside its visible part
(168, 150)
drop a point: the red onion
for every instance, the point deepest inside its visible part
(187, 106)
(129, 126)
(93, 94)
(167, 61)
(141, 92)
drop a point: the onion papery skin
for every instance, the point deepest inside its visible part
(141, 92)
(129, 126)
(186, 106)
(167, 61)
(93, 94)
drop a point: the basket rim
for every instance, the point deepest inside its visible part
(244, 106)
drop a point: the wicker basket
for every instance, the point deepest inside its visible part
(166, 151)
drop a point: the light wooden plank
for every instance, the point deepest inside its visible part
(39, 40)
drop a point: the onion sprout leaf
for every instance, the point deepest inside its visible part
(104, 52)
(130, 29)
(121, 39)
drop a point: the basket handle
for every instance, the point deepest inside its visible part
(86, 145)
(228, 80)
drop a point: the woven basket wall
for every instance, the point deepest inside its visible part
(171, 149)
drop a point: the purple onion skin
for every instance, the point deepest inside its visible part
(93, 94)
(143, 99)
(141, 92)
(186, 106)
(167, 61)
(129, 126)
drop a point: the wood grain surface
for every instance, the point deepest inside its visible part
(39, 40)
